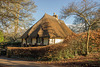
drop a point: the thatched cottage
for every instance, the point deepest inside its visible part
(48, 30)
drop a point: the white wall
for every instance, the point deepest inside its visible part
(55, 41)
(51, 41)
(45, 41)
(24, 41)
(33, 41)
(58, 40)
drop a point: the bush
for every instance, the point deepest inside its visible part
(1, 36)
(11, 44)
(3, 53)
(50, 52)
(77, 43)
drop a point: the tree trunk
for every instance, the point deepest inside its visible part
(87, 43)
(16, 24)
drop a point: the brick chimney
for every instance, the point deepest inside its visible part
(54, 15)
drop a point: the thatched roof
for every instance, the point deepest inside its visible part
(48, 26)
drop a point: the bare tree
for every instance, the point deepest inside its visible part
(80, 20)
(86, 10)
(16, 15)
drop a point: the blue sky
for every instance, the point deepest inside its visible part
(51, 6)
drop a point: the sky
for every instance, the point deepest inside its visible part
(52, 6)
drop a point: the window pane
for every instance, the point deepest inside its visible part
(39, 40)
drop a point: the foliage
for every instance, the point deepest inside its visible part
(11, 44)
(94, 43)
(16, 9)
(77, 43)
(50, 52)
(1, 37)
(88, 11)
(16, 16)
(91, 60)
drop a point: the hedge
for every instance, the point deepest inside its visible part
(50, 52)
(11, 44)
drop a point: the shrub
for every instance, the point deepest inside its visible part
(50, 52)
(1, 36)
(11, 44)
(77, 43)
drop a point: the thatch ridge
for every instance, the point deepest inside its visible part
(48, 26)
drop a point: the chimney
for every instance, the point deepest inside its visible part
(54, 15)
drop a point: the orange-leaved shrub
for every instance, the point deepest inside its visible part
(94, 42)
(50, 52)
(77, 43)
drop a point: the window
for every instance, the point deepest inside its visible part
(39, 40)
(52, 41)
(29, 40)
